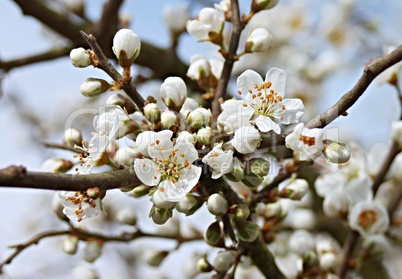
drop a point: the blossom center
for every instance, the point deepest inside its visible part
(78, 199)
(309, 141)
(367, 218)
(266, 101)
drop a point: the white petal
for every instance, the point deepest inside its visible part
(265, 124)
(278, 79)
(294, 110)
(189, 151)
(247, 80)
(145, 170)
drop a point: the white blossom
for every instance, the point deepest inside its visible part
(93, 87)
(217, 204)
(126, 47)
(208, 25)
(259, 40)
(171, 168)
(221, 162)
(79, 206)
(173, 92)
(263, 104)
(308, 142)
(199, 67)
(80, 57)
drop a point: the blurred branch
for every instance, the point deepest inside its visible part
(230, 59)
(105, 65)
(85, 235)
(19, 177)
(371, 71)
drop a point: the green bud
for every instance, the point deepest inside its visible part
(259, 166)
(154, 257)
(70, 244)
(152, 113)
(160, 215)
(203, 265)
(242, 211)
(92, 251)
(140, 191)
(237, 173)
(214, 235)
(247, 231)
(188, 204)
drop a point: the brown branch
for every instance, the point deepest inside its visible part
(370, 72)
(45, 56)
(230, 59)
(105, 65)
(85, 235)
(19, 177)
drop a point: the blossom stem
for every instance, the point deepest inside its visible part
(230, 59)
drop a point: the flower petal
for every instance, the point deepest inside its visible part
(186, 151)
(265, 124)
(278, 79)
(145, 169)
(294, 110)
(247, 80)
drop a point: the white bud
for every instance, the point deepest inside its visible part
(70, 245)
(273, 210)
(56, 165)
(259, 5)
(376, 244)
(337, 153)
(152, 113)
(173, 92)
(199, 69)
(127, 216)
(160, 202)
(125, 156)
(126, 47)
(259, 40)
(328, 261)
(92, 251)
(93, 87)
(121, 101)
(301, 242)
(208, 25)
(83, 272)
(246, 139)
(217, 204)
(175, 17)
(72, 137)
(188, 204)
(80, 57)
(198, 118)
(293, 189)
(169, 120)
(187, 136)
(154, 257)
(224, 260)
(204, 135)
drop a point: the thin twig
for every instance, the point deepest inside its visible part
(85, 235)
(105, 65)
(230, 59)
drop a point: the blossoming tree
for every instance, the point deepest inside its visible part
(287, 198)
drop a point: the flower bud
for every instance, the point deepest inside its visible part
(175, 18)
(247, 231)
(186, 136)
(121, 101)
(154, 257)
(200, 69)
(70, 245)
(72, 137)
(83, 272)
(93, 87)
(188, 204)
(328, 261)
(294, 190)
(140, 191)
(337, 153)
(126, 47)
(203, 265)
(204, 135)
(80, 57)
(127, 216)
(199, 118)
(160, 202)
(242, 211)
(273, 210)
(259, 166)
(237, 173)
(160, 215)
(152, 113)
(92, 251)
(169, 120)
(217, 204)
(376, 244)
(259, 40)
(224, 260)
(56, 165)
(259, 5)
(208, 25)
(173, 92)
(246, 139)
(214, 235)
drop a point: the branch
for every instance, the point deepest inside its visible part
(370, 72)
(105, 65)
(19, 177)
(229, 61)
